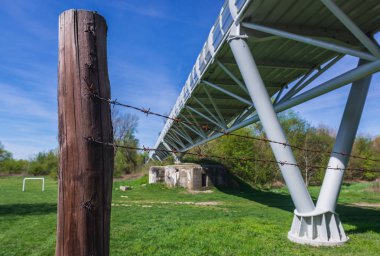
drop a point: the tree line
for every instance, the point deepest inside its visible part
(299, 132)
(46, 163)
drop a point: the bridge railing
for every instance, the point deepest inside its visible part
(217, 35)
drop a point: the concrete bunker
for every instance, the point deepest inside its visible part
(191, 176)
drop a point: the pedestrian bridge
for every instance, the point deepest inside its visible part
(260, 58)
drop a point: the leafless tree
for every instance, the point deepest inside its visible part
(124, 125)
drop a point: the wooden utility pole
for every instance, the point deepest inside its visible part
(85, 166)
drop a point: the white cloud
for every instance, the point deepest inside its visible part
(18, 102)
(24, 149)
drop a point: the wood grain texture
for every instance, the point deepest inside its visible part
(85, 169)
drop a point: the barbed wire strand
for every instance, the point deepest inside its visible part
(148, 112)
(245, 159)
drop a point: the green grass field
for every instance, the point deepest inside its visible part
(154, 220)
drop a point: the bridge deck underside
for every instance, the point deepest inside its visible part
(219, 103)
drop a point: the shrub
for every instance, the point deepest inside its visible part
(45, 163)
(12, 166)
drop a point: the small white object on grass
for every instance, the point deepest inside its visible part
(125, 188)
(43, 183)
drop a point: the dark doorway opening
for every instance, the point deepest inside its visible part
(204, 179)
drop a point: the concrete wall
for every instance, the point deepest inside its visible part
(190, 176)
(179, 175)
(156, 174)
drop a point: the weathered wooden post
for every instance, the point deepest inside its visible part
(85, 172)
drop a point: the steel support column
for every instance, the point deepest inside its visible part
(344, 142)
(323, 226)
(271, 124)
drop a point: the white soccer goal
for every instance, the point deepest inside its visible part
(43, 183)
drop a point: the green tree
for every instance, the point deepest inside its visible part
(239, 153)
(317, 142)
(13, 166)
(5, 157)
(45, 163)
(261, 170)
(375, 148)
(125, 128)
(4, 154)
(364, 147)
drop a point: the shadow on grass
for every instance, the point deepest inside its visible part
(364, 219)
(27, 209)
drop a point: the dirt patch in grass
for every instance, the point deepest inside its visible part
(208, 203)
(150, 203)
(366, 205)
(124, 205)
(211, 203)
(194, 192)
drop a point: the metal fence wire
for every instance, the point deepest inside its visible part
(148, 112)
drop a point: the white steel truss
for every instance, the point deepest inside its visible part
(272, 59)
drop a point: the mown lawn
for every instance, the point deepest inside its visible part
(154, 220)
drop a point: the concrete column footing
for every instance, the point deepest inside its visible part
(317, 229)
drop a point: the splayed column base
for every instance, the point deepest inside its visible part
(317, 229)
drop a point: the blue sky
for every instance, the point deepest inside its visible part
(152, 46)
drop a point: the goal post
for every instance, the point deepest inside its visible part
(25, 179)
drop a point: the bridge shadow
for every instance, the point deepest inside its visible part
(27, 209)
(364, 219)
